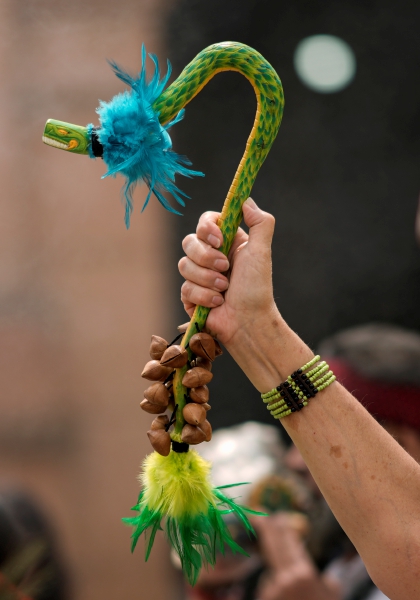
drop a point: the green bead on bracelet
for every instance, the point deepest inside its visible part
(295, 393)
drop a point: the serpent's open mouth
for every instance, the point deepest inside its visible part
(54, 143)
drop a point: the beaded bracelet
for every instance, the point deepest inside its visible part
(299, 388)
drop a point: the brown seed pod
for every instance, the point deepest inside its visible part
(206, 406)
(200, 394)
(204, 363)
(160, 422)
(192, 435)
(194, 413)
(160, 440)
(154, 371)
(175, 357)
(207, 430)
(158, 394)
(218, 348)
(196, 377)
(157, 347)
(202, 344)
(153, 409)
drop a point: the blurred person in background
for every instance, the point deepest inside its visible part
(311, 557)
(30, 566)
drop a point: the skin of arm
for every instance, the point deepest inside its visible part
(371, 484)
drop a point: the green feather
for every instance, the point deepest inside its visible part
(177, 490)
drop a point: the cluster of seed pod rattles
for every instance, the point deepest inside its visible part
(158, 398)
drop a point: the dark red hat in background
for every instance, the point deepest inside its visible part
(398, 403)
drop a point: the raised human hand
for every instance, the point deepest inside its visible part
(238, 288)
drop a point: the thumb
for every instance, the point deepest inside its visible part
(260, 223)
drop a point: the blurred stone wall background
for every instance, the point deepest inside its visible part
(80, 296)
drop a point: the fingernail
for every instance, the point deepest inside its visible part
(221, 284)
(249, 202)
(221, 264)
(217, 300)
(213, 241)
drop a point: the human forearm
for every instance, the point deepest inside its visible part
(366, 477)
(370, 483)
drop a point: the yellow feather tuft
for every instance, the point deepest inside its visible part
(177, 485)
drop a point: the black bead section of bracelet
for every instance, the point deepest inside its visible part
(180, 447)
(290, 396)
(303, 383)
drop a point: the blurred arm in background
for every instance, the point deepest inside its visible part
(291, 573)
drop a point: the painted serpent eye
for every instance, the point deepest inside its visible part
(72, 144)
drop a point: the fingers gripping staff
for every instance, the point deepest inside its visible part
(133, 140)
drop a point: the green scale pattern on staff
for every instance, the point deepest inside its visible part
(228, 56)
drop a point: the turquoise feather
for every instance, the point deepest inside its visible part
(134, 142)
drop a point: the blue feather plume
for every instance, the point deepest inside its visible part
(134, 142)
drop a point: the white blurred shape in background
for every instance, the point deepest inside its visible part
(325, 63)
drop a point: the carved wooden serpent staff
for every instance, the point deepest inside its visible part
(133, 141)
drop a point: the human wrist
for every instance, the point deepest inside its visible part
(267, 349)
